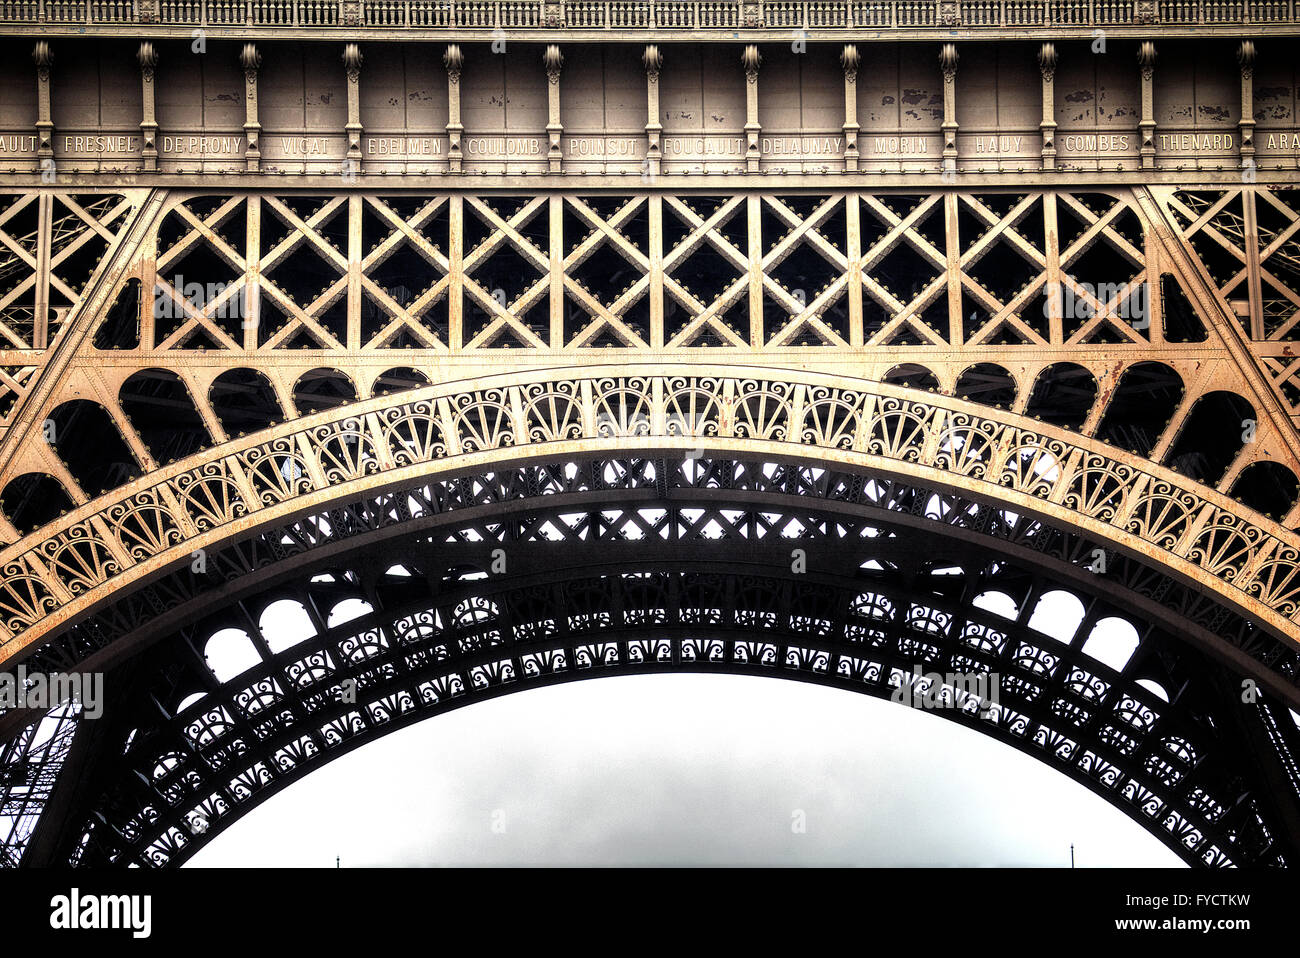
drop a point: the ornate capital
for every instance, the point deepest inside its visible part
(1047, 60)
(147, 57)
(1246, 58)
(653, 60)
(352, 61)
(553, 60)
(43, 57)
(454, 61)
(751, 59)
(948, 61)
(850, 60)
(250, 60)
(1147, 59)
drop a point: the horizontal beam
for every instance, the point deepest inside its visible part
(635, 19)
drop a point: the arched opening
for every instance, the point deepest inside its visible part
(320, 389)
(911, 375)
(229, 653)
(1063, 395)
(988, 384)
(33, 499)
(159, 406)
(1057, 614)
(86, 438)
(1112, 642)
(1141, 407)
(1216, 429)
(285, 623)
(1267, 487)
(244, 401)
(399, 380)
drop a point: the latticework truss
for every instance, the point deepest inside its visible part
(284, 381)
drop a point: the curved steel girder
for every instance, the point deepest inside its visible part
(847, 499)
(436, 641)
(1196, 535)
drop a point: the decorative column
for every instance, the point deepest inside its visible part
(553, 60)
(454, 61)
(1246, 126)
(352, 63)
(654, 62)
(1147, 126)
(251, 61)
(1047, 126)
(44, 59)
(147, 57)
(850, 61)
(948, 63)
(751, 59)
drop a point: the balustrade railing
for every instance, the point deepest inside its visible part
(654, 14)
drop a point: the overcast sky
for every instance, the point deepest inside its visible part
(685, 769)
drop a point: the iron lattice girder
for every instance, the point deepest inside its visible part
(437, 639)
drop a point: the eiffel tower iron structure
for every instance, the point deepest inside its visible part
(410, 353)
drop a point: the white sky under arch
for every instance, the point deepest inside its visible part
(685, 769)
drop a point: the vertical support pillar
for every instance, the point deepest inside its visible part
(455, 271)
(355, 253)
(948, 63)
(754, 218)
(1147, 125)
(553, 60)
(251, 61)
(147, 57)
(1055, 298)
(557, 271)
(253, 259)
(656, 210)
(850, 61)
(1047, 125)
(654, 62)
(853, 227)
(44, 229)
(454, 61)
(751, 59)
(44, 59)
(1246, 125)
(352, 63)
(956, 321)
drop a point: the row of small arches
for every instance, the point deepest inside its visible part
(1215, 431)
(158, 405)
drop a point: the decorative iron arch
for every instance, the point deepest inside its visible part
(592, 591)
